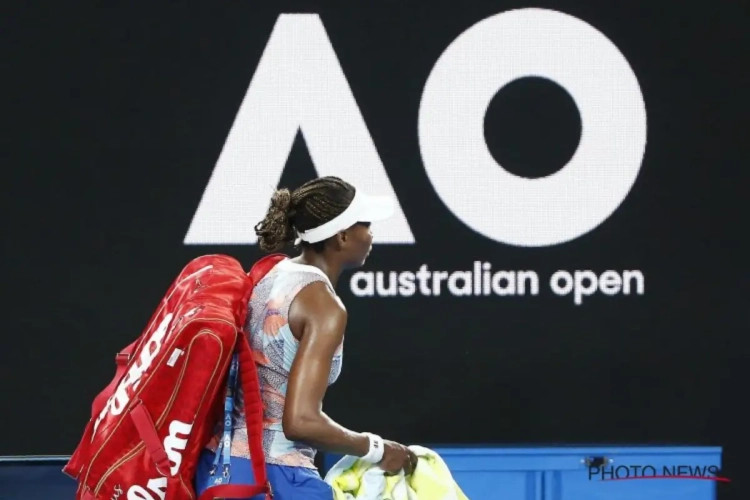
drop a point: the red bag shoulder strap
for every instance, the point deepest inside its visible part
(263, 266)
(253, 408)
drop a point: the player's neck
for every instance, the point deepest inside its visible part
(312, 258)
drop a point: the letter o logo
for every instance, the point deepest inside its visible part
(491, 200)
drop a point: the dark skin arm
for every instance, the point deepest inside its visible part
(318, 320)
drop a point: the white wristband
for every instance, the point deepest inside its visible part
(377, 448)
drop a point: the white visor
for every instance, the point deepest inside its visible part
(363, 208)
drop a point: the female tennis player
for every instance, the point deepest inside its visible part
(296, 328)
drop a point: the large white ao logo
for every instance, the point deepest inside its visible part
(299, 85)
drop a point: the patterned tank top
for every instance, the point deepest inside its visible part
(274, 347)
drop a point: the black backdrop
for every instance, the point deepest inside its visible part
(119, 114)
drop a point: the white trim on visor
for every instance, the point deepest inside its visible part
(363, 208)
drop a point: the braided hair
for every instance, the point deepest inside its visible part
(310, 205)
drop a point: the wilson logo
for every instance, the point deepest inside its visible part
(174, 445)
(119, 400)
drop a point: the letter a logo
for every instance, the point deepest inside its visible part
(298, 86)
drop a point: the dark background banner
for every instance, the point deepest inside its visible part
(118, 116)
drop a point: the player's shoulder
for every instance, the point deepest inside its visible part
(319, 301)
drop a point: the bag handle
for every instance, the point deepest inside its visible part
(122, 360)
(78, 460)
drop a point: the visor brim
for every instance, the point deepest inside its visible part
(375, 208)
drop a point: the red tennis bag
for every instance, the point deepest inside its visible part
(149, 426)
